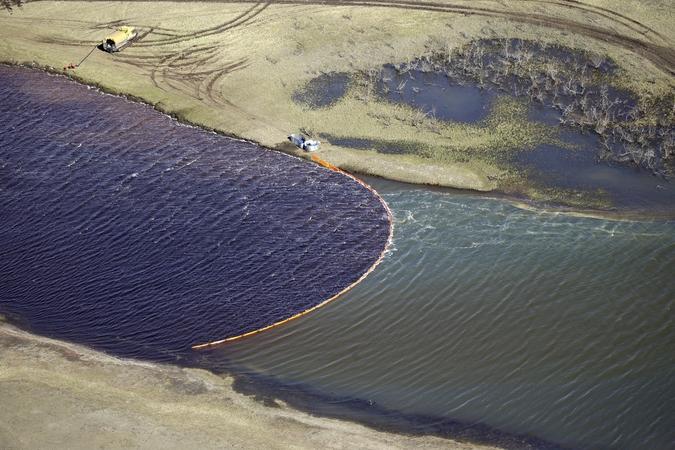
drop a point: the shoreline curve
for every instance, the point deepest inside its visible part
(325, 302)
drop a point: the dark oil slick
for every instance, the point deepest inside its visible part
(124, 230)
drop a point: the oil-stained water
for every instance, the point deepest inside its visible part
(126, 231)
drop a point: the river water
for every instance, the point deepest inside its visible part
(124, 230)
(554, 325)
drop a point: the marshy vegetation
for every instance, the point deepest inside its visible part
(323, 91)
(582, 90)
(9, 5)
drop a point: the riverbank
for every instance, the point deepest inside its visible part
(238, 70)
(61, 395)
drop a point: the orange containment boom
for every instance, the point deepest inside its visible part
(391, 233)
(330, 166)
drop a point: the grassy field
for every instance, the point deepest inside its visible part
(234, 67)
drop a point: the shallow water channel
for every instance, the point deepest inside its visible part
(575, 164)
(525, 321)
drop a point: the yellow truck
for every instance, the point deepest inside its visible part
(119, 39)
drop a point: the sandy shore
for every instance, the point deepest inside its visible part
(57, 395)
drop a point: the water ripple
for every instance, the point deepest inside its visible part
(126, 231)
(534, 322)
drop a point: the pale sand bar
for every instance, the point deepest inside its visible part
(56, 395)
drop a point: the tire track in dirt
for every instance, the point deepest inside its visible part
(193, 71)
(662, 56)
(240, 20)
(605, 13)
(654, 47)
(184, 70)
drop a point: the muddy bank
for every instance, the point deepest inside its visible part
(59, 395)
